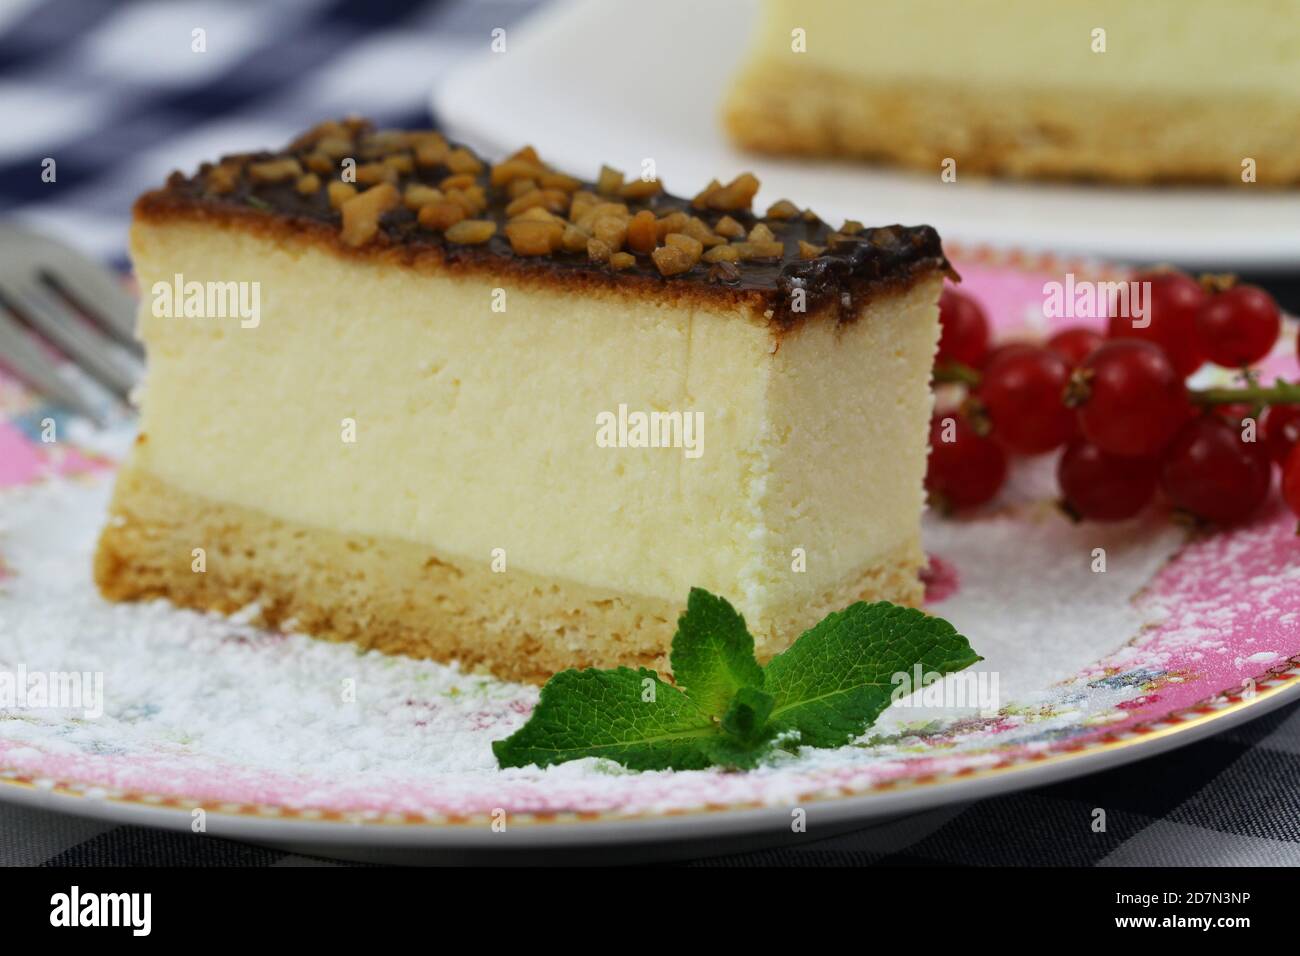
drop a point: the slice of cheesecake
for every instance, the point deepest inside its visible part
(492, 414)
(1177, 90)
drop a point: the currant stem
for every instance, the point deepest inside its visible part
(1279, 393)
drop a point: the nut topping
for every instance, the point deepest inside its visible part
(361, 213)
(472, 232)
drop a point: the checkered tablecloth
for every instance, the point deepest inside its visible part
(118, 95)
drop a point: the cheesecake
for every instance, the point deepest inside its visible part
(1163, 90)
(490, 413)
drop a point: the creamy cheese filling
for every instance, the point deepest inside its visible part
(374, 399)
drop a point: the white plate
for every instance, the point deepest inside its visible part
(620, 81)
(651, 838)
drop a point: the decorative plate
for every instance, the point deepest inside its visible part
(1178, 637)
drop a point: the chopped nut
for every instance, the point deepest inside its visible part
(319, 132)
(611, 230)
(461, 160)
(383, 142)
(672, 260)
(729, 227)
(782, 209)
(441, 215)
(457, 181)
(761, 233)
(622, 260)
(697, 228)
(559, 181)
(642, 232)
(477, 197)
(808, 251)
(609, 182)
(223, 179)
(361, 213)
(573, 239)
(673, 222)
(722, 254)
(692, 247)
(851, 227)
(306, 185)
(334, 147)
(533, 238)
(737, 194)
(462, 199)
(521, 187)
(598, 250)
(318, 162)
(760, 250)
(538, 214)
(503, 174)
(471, 232)
(340, 193)
(432, 152)
(368, 174)
(552, 200)
(641, 189)
(526, 153)
(525, 202)
(400, 163)
(274, 171)
(582, 201)
(418, 194)
(611, 209)
(701, 200)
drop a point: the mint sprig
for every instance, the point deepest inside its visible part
(826, 689)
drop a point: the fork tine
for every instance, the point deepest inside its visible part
(98, 293)
(85, 345)
(29, 362)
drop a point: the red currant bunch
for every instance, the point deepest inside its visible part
(1132, 431)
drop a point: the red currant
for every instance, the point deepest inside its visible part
(1170, 320)
(1279, 430)
(1291, 480)
(1132, 401)
(1234, 413)
(1076, 343)
(1006, 348)
(965, 329)
(1022, 390)
(965, 468)
(1102, 487)
(1210, 472)
(1240, 326)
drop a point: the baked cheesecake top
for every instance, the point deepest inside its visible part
(415, 194)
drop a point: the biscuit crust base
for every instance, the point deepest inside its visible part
(1020, 133)
(399, 597)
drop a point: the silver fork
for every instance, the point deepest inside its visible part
(53, 296)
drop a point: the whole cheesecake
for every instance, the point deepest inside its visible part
(496, 415)
(1193, 90)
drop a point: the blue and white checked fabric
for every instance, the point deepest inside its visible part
(117, 95)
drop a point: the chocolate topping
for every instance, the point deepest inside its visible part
(522, 211)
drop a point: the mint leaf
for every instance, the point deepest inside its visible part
(747, 716)
(826, 689)
(725, 750)
(713, 653)
(594, 713)
(833, 682)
